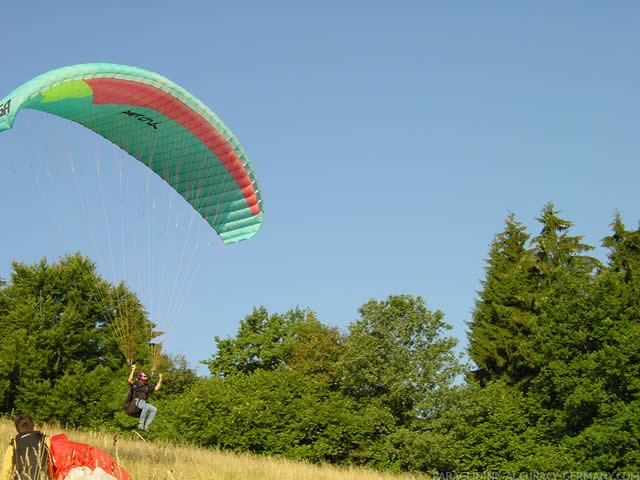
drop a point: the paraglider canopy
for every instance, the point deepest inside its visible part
(161, 125)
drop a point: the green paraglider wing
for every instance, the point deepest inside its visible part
(160, 124)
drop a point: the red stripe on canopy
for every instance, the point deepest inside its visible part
(136, 94)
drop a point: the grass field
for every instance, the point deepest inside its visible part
(145, 460)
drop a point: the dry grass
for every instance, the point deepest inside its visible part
(146, 460)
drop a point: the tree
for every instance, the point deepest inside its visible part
(293, 340)
(492, 428)
(590, 384)
(279, 412)
(556, 251)
(587, 345)
(56, 321)
(257, 345)
(396, 356)
(504, 315)
(624, 259)
(314, 349)
(565, 279)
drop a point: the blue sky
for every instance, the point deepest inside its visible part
(390, 143)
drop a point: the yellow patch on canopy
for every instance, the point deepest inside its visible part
(70, 89)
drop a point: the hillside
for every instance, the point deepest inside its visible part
(163, 461)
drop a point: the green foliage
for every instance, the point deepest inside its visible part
(295, 340)
(76, 399)
(523, 287)
(178, 377)
(279, 413)
(259, 344)
(60, 356)
(59, 310)
(582, 345)
(504, 315)
(288, 385)
(494, 428)
(396, 354)
(612, 442)
(314, 350)
(557, 252)
(555, 336)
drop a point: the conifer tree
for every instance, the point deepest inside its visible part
(556, 251)
(504, 316)
(588, 344)
(624, 259)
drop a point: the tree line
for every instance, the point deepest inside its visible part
(550, 381)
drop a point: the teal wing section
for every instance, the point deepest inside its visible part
(163, 126)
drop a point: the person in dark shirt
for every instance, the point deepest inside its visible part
(28, 456)
(142, 388)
